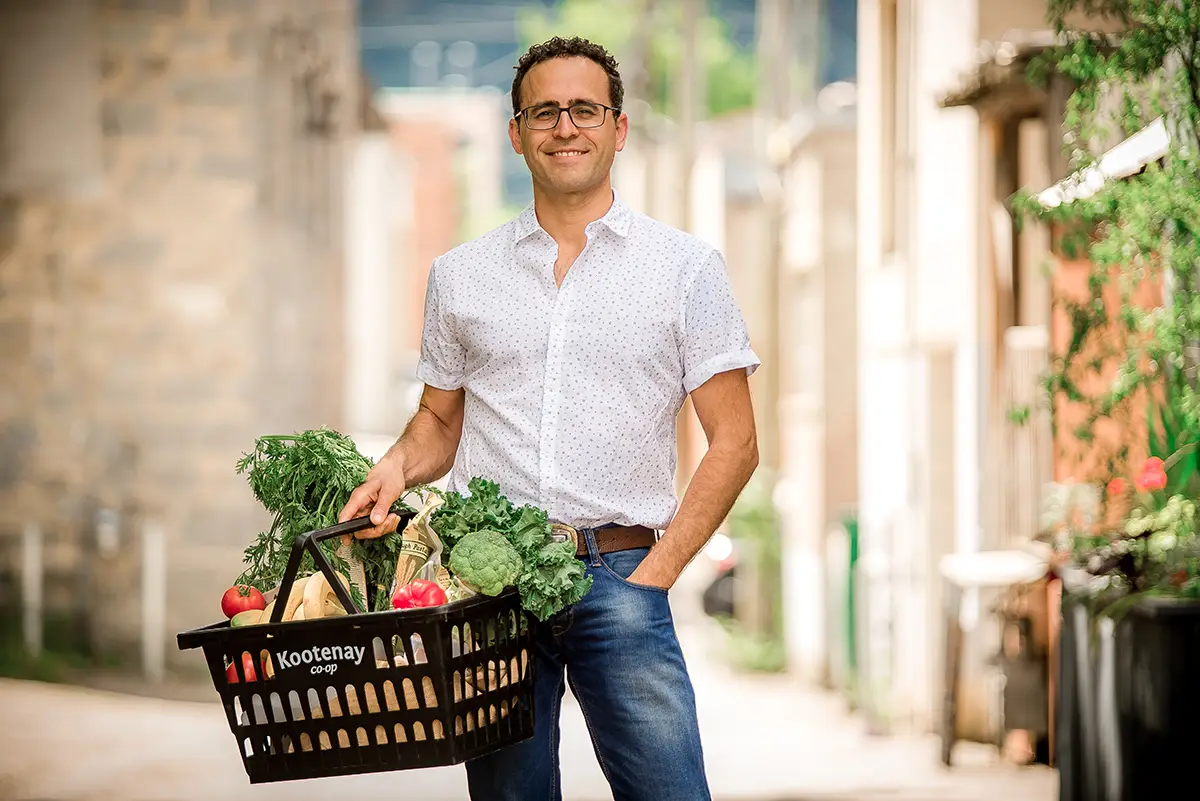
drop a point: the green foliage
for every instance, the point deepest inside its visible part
(729, 68)
(1136, 230)
(754, 525)
(551, 577)
(304, 480)
(1019, 415)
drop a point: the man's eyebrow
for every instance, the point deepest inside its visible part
(570, 102)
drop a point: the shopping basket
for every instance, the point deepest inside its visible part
(371, 692)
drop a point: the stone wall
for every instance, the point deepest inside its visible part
(152, 328)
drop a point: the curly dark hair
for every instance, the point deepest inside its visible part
(576, 46)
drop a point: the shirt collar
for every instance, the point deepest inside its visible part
(617, 219)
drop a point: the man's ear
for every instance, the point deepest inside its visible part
(622, 131)
(514, 136)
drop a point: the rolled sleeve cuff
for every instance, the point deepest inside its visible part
(745, 359)
(435, 378)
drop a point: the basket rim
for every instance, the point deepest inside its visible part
(223, 632)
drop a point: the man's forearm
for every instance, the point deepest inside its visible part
(426, 449)
(719, 478)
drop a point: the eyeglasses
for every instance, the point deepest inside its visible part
(583, 115)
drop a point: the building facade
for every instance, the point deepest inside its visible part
(172, 179)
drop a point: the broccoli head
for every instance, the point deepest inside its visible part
(486, 562)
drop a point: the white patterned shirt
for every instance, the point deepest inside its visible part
(572, 393)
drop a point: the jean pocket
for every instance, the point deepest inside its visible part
(621, 564)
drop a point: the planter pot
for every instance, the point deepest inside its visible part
(1128, 700)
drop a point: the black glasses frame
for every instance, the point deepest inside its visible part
(524, 114)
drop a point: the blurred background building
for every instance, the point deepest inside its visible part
(174, 268)
(217, 219)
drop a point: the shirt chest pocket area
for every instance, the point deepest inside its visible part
(632, 340)
(498, 335)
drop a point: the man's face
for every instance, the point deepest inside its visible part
(567, 159)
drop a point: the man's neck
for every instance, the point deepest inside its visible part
(565, 217)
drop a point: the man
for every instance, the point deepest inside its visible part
(557, 351)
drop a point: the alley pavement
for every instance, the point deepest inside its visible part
(766, 737)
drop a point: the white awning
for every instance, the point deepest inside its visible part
(1128, 158)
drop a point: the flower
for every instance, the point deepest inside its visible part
(1153, 476)
(1116, 487)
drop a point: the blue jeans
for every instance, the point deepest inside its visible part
(618, 650)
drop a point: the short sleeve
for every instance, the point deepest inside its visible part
(442, 361)
(715, 338)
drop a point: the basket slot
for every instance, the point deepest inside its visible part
(488, 676)
(465, 639)
(316, 709)
(260, 712)
(410, 695)
(477, 714)
(391, 700)
(403, 652)
(278, 714)
(367, 720)
(296, 707)
(239, 662)
(370, 696)
(514, 626)
(439, 732)
(487, 634)
(336, 701)
(343, 738)
(265, 666)
(353, 701)
(382, 656)
(502, 635)
(354, 704)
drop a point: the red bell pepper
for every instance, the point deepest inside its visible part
(418, 593)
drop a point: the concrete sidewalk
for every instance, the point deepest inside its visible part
(765, 738)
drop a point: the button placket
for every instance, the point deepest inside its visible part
(552, 388)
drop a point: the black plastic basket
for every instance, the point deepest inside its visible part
(371, 692)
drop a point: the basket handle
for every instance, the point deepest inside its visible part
(309, 541)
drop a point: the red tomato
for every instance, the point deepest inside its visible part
(240, 598)
(231, 674)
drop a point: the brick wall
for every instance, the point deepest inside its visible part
(152, 328)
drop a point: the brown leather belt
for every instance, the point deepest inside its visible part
(611, 538)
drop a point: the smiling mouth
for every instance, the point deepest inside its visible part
(565, 153)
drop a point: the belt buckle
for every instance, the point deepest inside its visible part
(561, 532)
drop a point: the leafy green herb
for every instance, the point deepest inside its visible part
(305, 479)
(551, 577)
